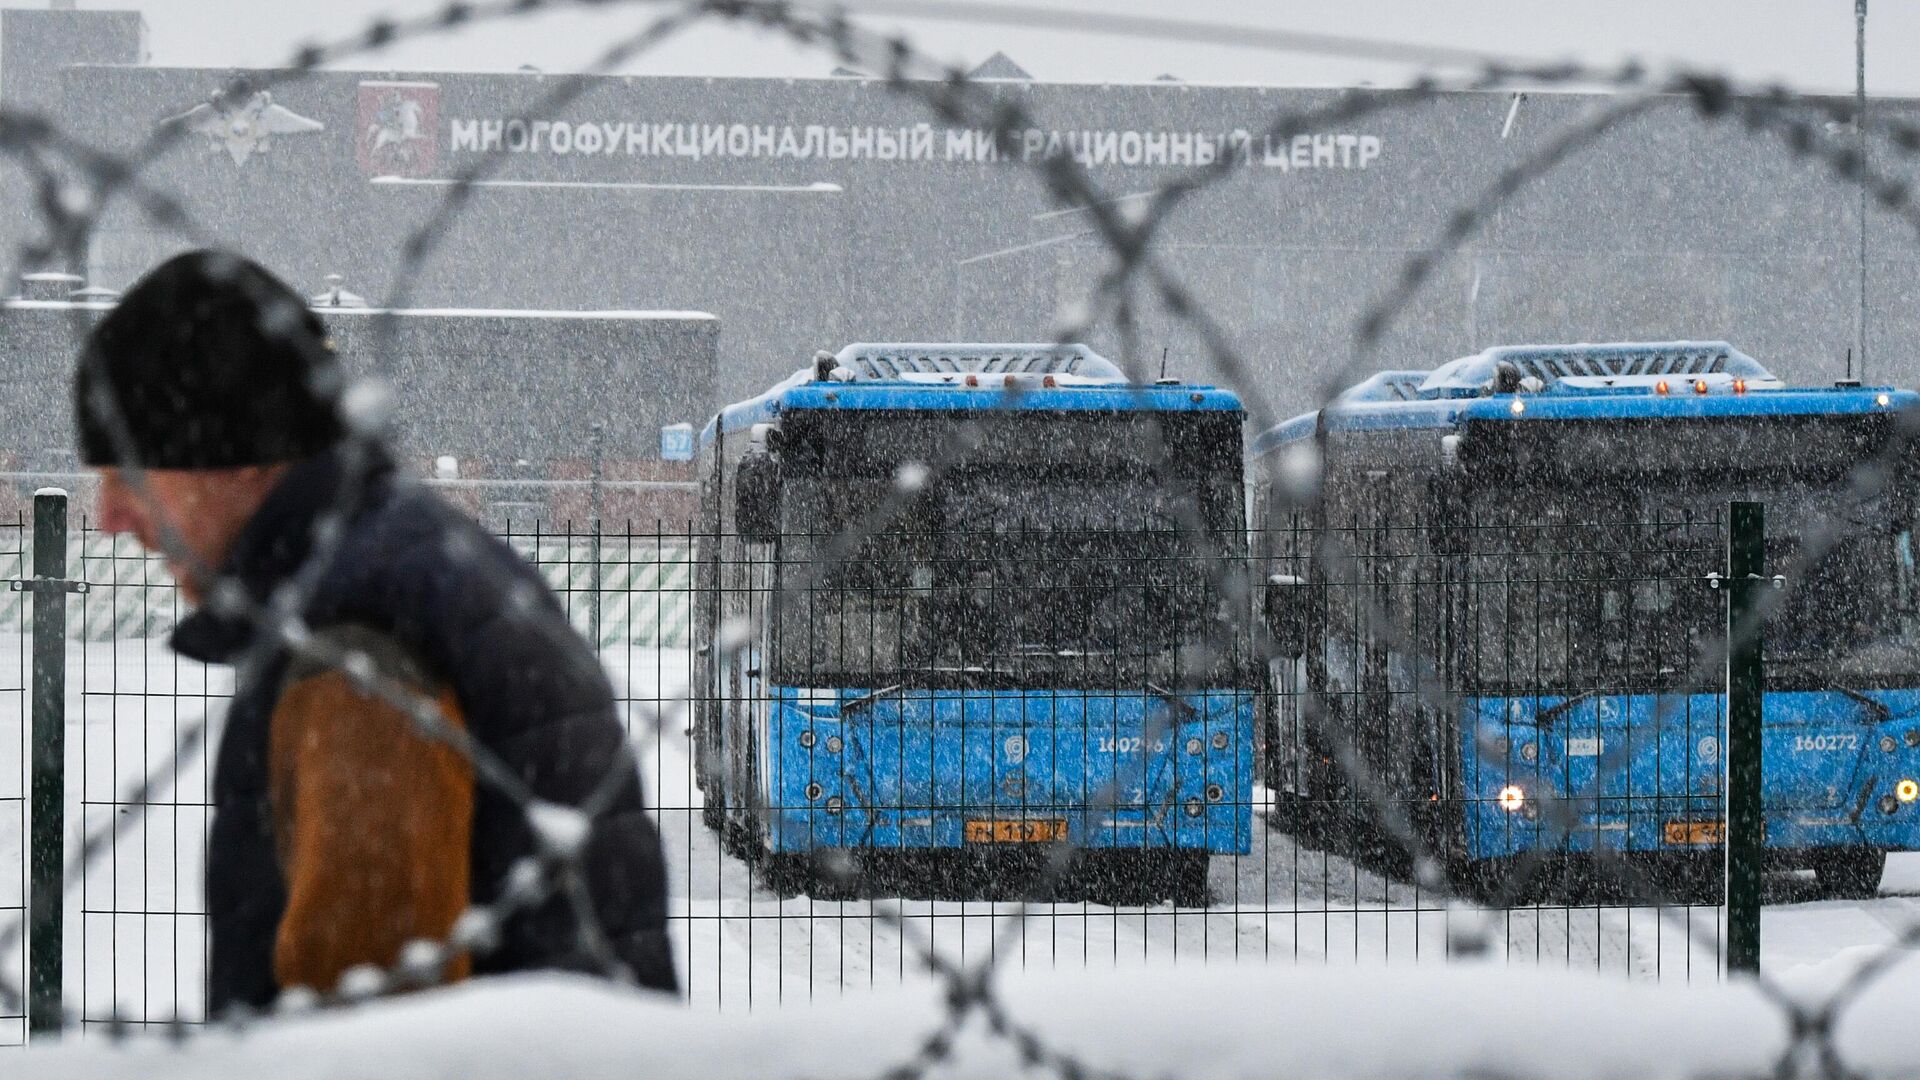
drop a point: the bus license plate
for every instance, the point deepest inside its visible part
(1016, 832)
(1695, 832)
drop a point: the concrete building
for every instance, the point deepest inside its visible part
(809, 213)
(521, 414)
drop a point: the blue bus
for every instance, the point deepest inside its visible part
(1512, 618)
(976, 604)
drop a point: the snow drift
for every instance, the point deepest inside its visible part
(1191, 1021)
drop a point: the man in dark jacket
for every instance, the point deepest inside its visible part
(422, 764)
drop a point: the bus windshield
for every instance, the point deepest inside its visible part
(1606, 582)
(1849, 618)
(1040, 551)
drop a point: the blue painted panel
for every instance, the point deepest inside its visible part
(1619, 405)
(911, 768)
(939, 398)
(1610, 772)
(1544, 407)
(923, 397)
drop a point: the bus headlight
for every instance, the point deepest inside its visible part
(1220, 740)
(1511, 798)
(1195, 807)
(1907, 790)
(1193, 745)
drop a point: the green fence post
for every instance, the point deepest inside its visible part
(1746, 577)
(47, 843)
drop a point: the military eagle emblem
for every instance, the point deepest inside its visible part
(243, 121)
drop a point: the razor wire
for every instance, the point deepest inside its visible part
(72, 210)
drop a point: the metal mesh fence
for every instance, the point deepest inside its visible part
(138, 913)
(139, 908)
(619, 588)
(1196, 813)
(13, 786)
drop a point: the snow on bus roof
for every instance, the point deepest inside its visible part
(874, 362)
(1613, 379)
(926, 375)
(1609, 362)
(752, 410)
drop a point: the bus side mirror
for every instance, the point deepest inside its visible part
(1286, 614)
(756, 497)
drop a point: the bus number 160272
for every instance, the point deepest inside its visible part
(1825, 743)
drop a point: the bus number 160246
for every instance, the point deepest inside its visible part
(1128, 744)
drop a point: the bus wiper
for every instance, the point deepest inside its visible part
(1553, 712)
(866, 700)
(1180, 704)
(1879, 710)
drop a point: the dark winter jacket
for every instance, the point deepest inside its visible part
(483, 634)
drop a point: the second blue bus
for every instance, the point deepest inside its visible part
(1495, 580)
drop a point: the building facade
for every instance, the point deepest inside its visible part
(806, 213)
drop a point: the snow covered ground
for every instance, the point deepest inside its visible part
(134, 938)
(1247, 1020)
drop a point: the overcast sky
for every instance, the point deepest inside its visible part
(1809, 42)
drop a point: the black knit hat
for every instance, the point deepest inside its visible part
(208, 362)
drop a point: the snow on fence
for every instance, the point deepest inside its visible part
(624, 588)
(635, 592)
